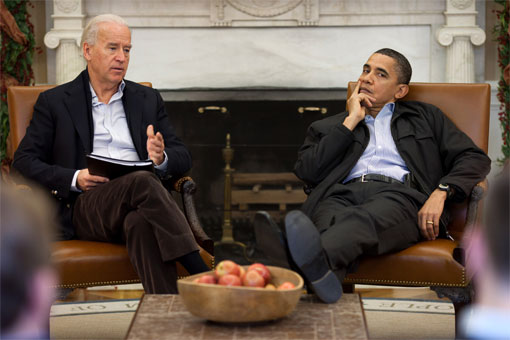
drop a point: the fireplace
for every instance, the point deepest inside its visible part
(266, 127)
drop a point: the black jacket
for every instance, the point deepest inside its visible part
(433, 148)
(61, 133)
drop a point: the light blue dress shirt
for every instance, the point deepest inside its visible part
(381, 155)
(111, 131)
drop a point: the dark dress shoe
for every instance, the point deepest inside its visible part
(305, 247)
(270, 240)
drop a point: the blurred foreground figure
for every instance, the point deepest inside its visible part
(27, 277)
(488, 259)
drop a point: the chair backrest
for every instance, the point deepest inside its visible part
(20, 102)
(468, 106)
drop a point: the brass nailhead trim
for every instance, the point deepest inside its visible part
(178, 184)
(92, 284)
(409, 283)
(107, 283)
(463, 283)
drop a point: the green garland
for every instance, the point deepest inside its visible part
(503, 40)
(16, 60)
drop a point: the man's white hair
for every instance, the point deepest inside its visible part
(89, 34)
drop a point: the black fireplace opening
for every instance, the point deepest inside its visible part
(266, 131)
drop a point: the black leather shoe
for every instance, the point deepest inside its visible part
(305, 248)
(270, 240)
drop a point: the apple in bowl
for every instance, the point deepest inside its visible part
(241, 304)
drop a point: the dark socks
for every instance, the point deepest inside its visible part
(193, 263)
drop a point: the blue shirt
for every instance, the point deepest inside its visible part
(381, 155)
(111, 132)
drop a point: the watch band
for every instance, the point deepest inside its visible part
(445, 188)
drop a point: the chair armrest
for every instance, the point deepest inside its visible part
(187, 187)
(6, 170)
(307, 188)
(9, 178)
(474, 199)
(472, 219)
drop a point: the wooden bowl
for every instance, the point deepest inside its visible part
(241, 304)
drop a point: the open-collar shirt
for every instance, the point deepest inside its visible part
(111, 131)
(381, 155)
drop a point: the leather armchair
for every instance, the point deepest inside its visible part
(85, 263)
(438, 264)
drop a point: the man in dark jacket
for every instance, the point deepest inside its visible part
(102, 113)
(380, 172)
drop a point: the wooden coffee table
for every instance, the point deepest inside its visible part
(165, 317)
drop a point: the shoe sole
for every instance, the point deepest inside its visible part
(269, 240)
(305, 245)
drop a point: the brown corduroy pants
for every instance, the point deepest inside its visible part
(138, 211)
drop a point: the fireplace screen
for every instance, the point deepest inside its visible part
(265, 136)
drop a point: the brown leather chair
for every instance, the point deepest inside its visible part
(438, 264)
(85, 263)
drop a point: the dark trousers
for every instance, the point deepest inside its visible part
(138, 211)
(371, 218)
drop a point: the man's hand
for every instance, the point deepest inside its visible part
(429, 214)
(155, 146)
(86, 181)
(357, 105)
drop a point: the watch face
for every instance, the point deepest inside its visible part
(444, 187)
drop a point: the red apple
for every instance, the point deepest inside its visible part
(286, 286)
(227, 267)
(252, 278)
(207, 278)
(230, 280)
(262, 269)
(242, 271)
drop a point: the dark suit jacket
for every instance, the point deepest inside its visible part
(61, 134)
(433, 148)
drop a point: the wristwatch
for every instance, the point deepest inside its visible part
(446, 188)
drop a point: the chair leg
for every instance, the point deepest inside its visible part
(460, 297)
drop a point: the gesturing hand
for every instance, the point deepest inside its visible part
(86, 181)
(357, 105)
(155, 146)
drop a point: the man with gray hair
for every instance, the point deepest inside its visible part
(102, 113)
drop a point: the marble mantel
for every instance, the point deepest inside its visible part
(182, 44)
